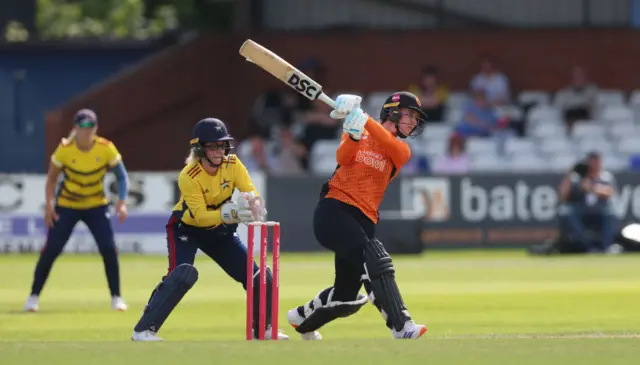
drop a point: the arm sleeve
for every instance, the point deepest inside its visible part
(58, 157)
(194, 199)
(398, 151)
(122, 179)
(347, 150)
(242, 179)
(113, 155)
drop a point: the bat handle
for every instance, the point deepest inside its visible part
(327, 100)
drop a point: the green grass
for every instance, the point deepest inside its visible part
(495, 307)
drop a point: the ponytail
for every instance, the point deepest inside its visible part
(191, 158)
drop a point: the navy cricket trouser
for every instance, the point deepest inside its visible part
(98, 222)
(345, 230)
(222, 245)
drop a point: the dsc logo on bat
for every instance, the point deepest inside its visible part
(303, 85)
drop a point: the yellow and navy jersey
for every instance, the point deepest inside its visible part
(202, 195)
(82, 186)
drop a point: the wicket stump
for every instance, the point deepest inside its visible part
(275, 288)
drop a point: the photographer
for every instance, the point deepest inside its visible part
(585, 196)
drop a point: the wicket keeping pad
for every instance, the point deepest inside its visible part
(321, 310)
(166, 297)
(379, 268)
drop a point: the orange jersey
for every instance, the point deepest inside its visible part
(366, 167)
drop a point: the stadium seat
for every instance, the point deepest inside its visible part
(610, 97)
(437, 132)
(325, 147)
(545, 129)
(525, 162)
(587, 129)
(615, 163)
(543, 113)
(478, 145)
(629, 146)
(520, 146)
(321, 152)
(617, 114)
(323, 166)
(488, 164)
(418, 146)
(556, 146)
(600, 145)
(534, 97)
(434, 148)
(374, 102)
(561, 162)
(620, 130)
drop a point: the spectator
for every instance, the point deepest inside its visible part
(577, 101)
(479, 118)
(318, 125)
(456, 161)
(274, 110)
(285, 158)
(494, 83)
(585, 195)
(313, 116)
(432, 94)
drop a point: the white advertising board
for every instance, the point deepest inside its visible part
(151, 198)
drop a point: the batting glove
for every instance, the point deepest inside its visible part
(345, 103)
(354, 123)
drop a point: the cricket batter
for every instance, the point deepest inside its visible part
(84, 159)
(369, 157)
(206, 218)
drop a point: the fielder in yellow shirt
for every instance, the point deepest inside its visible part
(206, 218)
(83, 159)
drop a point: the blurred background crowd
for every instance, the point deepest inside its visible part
(488, 126)
(512, 88)
(54, 50)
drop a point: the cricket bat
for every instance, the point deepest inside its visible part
(272, 63)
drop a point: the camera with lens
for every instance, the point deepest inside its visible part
(581, 168)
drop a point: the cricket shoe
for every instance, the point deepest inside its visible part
(295, 319)
(267, 335)
(118, 304)
(32, 304)
(410, 331)
(145, 336)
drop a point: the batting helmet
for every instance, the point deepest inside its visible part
(403, 100)
(209, 130)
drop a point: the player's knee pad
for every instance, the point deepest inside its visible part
(184, 274)
(379, 268)
(167, 296)
(322, 309)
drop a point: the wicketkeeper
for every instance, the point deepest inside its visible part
(206, 218)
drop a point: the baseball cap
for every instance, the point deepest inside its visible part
(85, 118)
